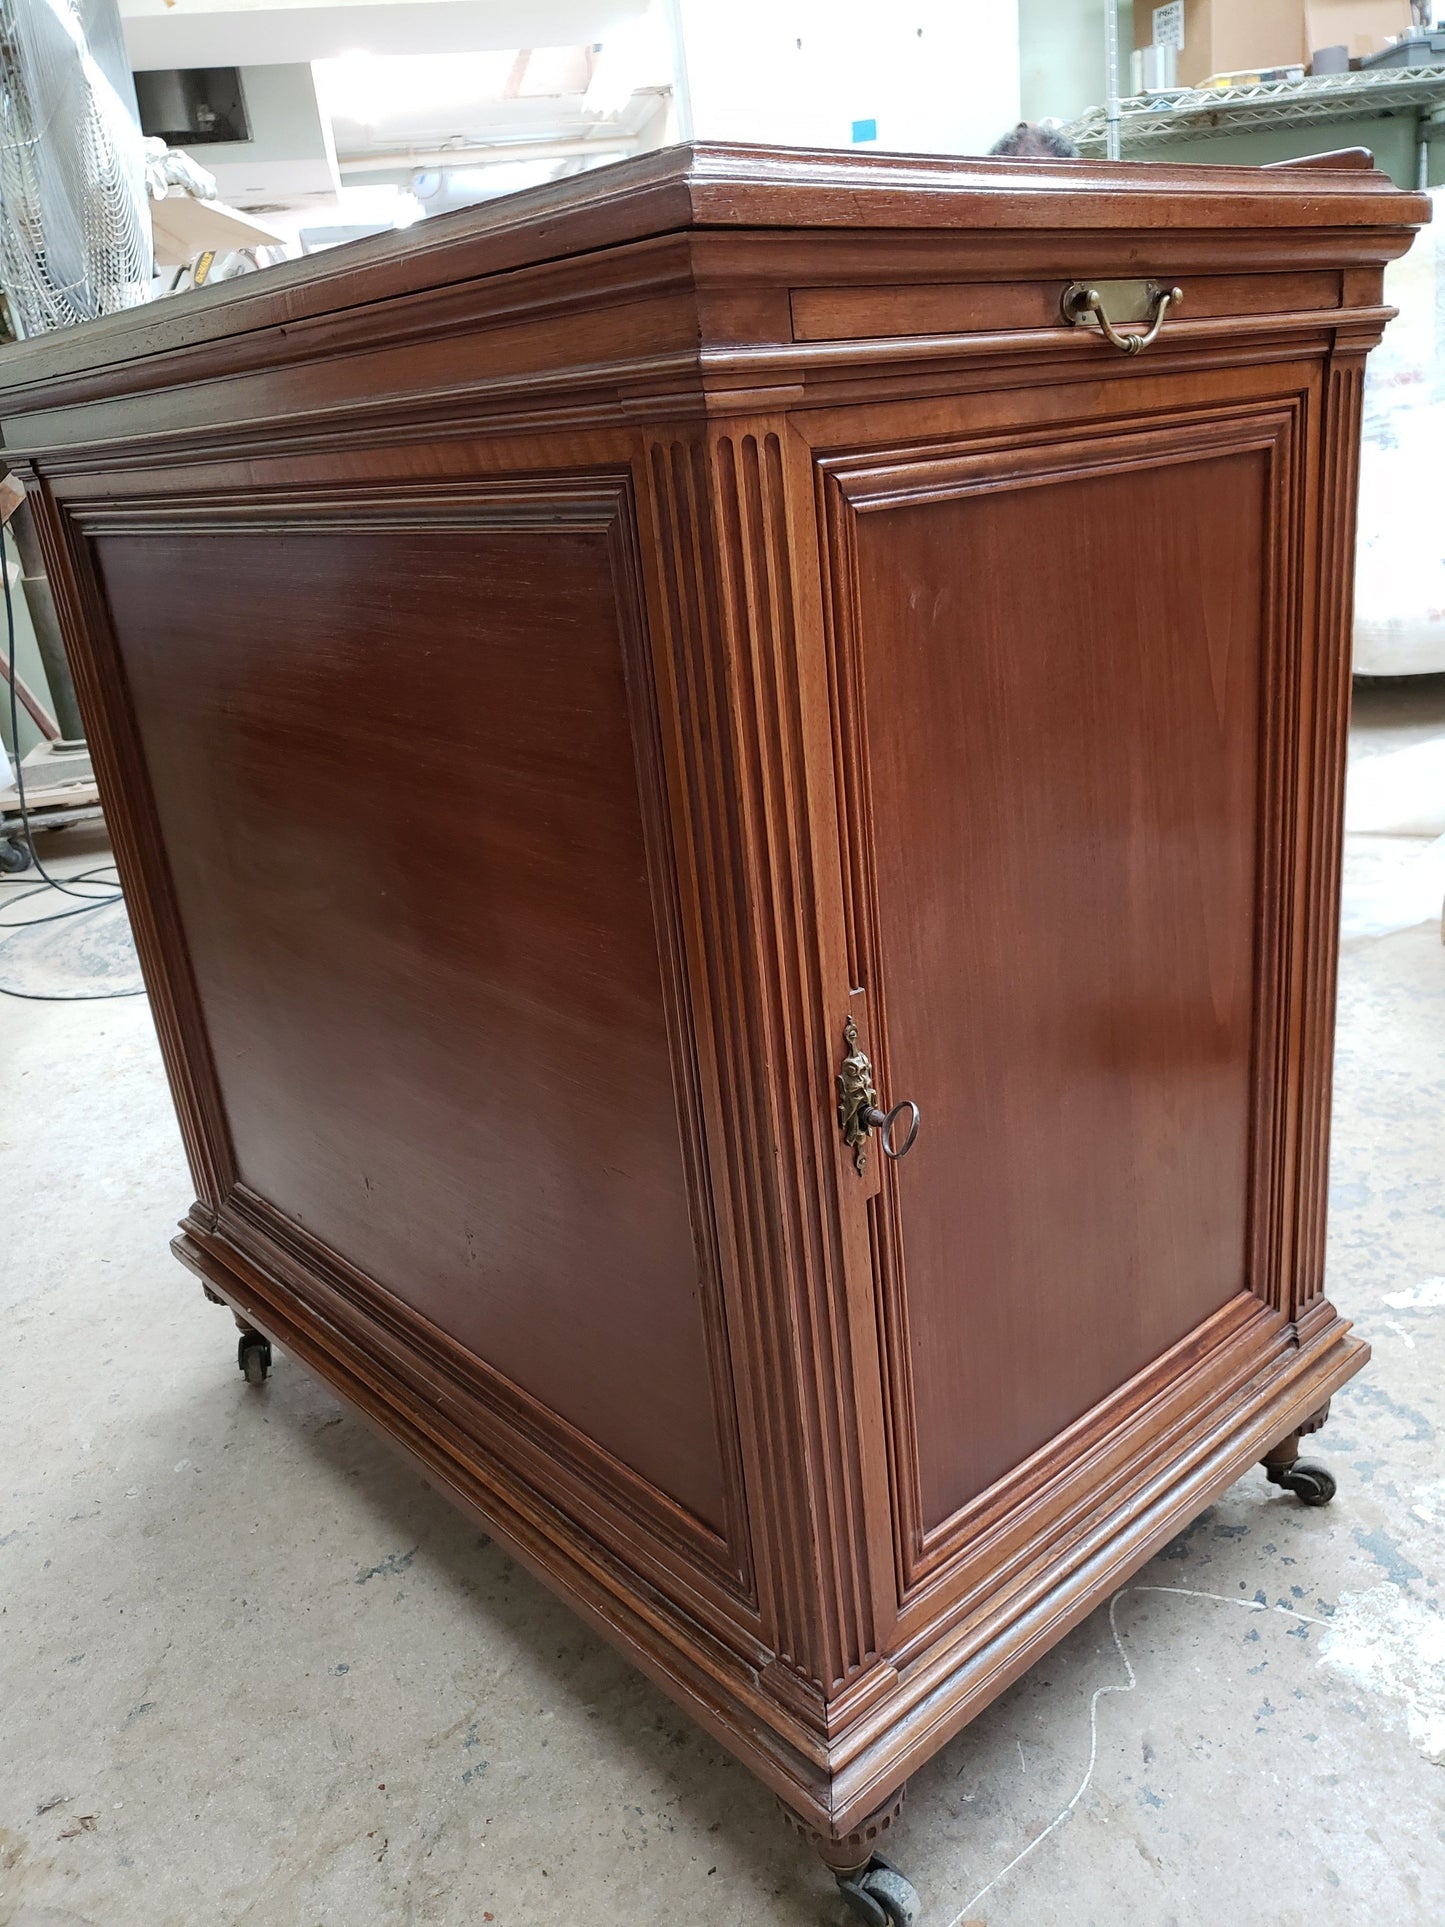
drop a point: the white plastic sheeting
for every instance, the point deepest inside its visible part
(1400, 561)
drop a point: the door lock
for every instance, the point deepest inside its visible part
(858, 1112)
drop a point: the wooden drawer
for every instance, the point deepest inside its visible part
(979, 307)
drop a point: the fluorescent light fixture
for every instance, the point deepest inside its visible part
(374, 90)
(505, 177)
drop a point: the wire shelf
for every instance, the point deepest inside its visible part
(1199, 113)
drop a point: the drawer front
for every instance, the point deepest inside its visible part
(981, 307)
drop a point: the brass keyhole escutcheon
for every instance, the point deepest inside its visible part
(858, 1112)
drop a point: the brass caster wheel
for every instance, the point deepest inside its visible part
(880, 1896)
(253, 1355)
(1311, 1484)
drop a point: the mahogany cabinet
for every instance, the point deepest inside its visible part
(588, 688)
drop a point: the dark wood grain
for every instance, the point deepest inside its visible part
(394, 774)
(549, 672)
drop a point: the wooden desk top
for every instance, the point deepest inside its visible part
(708, 185)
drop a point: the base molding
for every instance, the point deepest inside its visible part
(938, 1697)
(846, 1853)
(837, 1781)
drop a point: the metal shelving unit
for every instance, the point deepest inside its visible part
(1197, 113)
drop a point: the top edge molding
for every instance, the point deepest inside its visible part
(714, 185)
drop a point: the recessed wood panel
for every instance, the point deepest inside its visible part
(398, 788)
(1060, 700)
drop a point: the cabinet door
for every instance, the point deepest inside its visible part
(1055, 663)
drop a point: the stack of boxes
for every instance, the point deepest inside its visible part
(1236, 42)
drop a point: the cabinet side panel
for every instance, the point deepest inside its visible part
(398, 788)
(1060, 689)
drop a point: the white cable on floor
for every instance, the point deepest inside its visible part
(1182, 1592)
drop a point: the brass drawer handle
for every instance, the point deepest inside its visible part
(1083, 305)
(858, 1112)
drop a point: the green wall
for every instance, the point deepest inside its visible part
(1061, 56)
(1390, 137)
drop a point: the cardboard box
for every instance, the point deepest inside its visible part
(1226, 36)
(1223, 36)
(1364, 26)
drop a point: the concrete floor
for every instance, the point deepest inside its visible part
(252, 1670)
